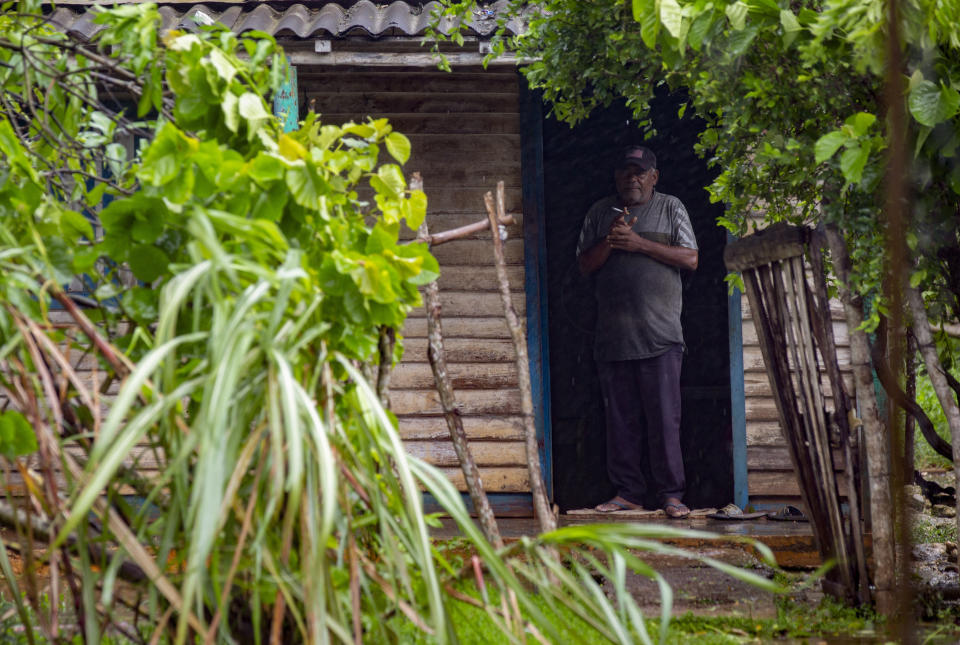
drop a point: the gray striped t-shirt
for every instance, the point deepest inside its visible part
(638, 298)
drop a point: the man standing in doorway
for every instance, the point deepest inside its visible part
(635, 244)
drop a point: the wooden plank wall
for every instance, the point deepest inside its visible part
(771, 478)
(464, 128)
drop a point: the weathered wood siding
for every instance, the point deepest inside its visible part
(464, 128)
(771, 478)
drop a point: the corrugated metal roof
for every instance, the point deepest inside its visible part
(361, 18)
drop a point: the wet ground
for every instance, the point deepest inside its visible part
(697, 587)
(704, 590)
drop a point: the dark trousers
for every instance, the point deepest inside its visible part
(644, 458)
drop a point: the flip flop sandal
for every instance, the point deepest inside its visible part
(620, 506)
(680, 510)
(788, 514)
(735, 513)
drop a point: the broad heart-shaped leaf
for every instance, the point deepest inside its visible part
(827, 145)
(17, 437)
(375, 278)
(767, 8)
(291, 149)
(169, 150)
(141, 304)
(699, 28)
(645, 12)
(59, 254)
(266, 167)
(84, 258)
(148, 262)
(671, 15)
(306, 185)
(147, 226)
(861, 122)
(251, 108)
(737, 13)
(416, 209)
(791, 26)
(852, 162)
(269, 204)
(392, 178)
(230, 106)
(383, 236)
(429, 267)
(398, 146)
(740, 40)
(11, 148)
(931, 104)
(75, 225)
(224, 67)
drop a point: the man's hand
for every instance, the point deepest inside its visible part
(622, 237)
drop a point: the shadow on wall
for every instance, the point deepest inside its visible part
(578, 170)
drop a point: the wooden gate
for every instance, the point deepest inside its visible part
(791, 313)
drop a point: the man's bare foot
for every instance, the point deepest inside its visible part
(675, 509)
(617, 504)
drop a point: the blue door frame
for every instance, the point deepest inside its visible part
(535, 272)
(738, 412)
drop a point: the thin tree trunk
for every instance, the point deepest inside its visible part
(909, 423)
(438, 363)
(928, 349)
(541, 504)
(875, 433)
(896, 214)
(388, 338)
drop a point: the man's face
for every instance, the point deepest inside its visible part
(635, 185)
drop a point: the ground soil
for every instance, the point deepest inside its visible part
(701, 589)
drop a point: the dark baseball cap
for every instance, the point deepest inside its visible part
(637, 156)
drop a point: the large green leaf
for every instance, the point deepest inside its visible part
(791, 26)
(931, 104)
(739, 41)
(861, 122)
(645, 12)
(737, 13)
(852, 162)
(75, 225)
(17, 437)
(398, 146)
(827, 145)
(392, 178)
(148, 262)
(306, 185)
(266, 168)
(671, 15)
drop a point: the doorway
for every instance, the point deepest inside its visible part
(578, 170)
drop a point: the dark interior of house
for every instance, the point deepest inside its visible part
(578, 170)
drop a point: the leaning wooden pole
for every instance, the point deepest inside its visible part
(441, 377)
(875, 431)
(541, 504)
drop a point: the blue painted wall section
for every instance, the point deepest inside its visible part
(738, 411)
(285, 101)
(535, 270)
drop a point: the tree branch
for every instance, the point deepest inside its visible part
(908, 404)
